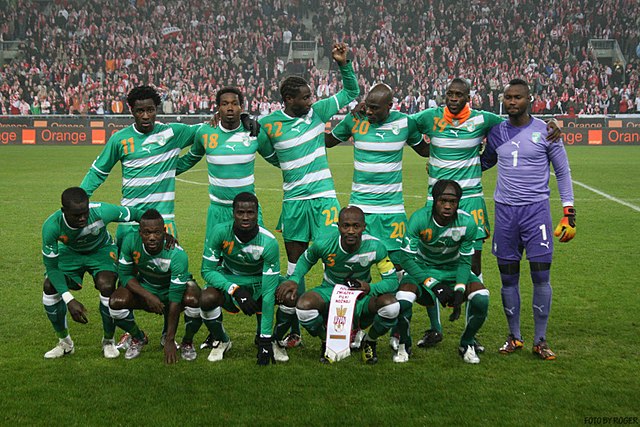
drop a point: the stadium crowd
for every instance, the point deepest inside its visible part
(82, 57)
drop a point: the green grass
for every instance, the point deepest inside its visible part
(593, 326)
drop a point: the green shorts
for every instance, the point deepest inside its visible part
(124, 229)
(389, 228)
(362, 304)
(308, 220)
(436, 275)
(165, 294)
(74, 264)
(218, 214)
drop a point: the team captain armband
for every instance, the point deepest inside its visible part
(385, 265)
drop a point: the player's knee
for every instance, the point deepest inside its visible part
(474, 287)
(390, 311)
(48, 288)
(192, 311)
(191, 299)
(508, 268)
(210, 299)
(212, 314)
(105, 282)
(307, 302)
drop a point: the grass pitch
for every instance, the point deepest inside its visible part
(593, 326)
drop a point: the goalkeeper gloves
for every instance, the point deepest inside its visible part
(351, 283)
(250, 124)
(245, 301)
(456, 303)
(566, 229)
(265, 351)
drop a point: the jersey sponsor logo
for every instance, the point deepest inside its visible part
(453, 131)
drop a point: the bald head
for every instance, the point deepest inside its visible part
(378, 103)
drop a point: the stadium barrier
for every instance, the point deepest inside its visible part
(96, 130)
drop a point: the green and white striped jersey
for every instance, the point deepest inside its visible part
(148, 165)
(299, 143)
(167, 270)
(231, 156)
(378, 149)
(455, 149)
(227, 261)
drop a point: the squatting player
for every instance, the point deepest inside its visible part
(438, 250)
(157, 280)
(309, 206)
(348, 255)
(241, 265)
(75, 240)
(522, 151)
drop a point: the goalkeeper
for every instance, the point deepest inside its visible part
(523, 215)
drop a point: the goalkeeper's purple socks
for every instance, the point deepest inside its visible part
(511, 302)
(541, 302)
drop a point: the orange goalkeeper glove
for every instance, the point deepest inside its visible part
(566, 229)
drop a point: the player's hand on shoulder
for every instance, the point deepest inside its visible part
(554, 132)
(250, 124)
(77, 311)
(215, 119)
(170, 242)
(359, 111)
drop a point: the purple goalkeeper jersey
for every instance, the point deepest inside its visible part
(523, 155)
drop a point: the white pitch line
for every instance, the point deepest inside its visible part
(608, 196)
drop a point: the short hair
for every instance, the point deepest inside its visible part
(140, 93)
(245, 196)
(520, 82)
(463, 82)
(350, 208)
(291, 86)
(441, 185)
(151, 215)
(75, 195)
(229, 89)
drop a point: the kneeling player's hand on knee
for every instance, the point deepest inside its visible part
(566, 229)
(154, 304)
(77, 311)
(245, 301)
(287, 292)
(265, 351)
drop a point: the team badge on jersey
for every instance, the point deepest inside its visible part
(455, 234)
(395, 129)
(246, 140)
(535, 137)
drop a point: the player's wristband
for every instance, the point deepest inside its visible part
(459, 287)
(232, 289)
(67, 297)
(569, 210)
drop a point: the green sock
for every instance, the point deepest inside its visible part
(380, 326)
(57, 314)
(404, 322)
(284, 319)
(316, 327)
(433, 312)
(127, 323)
(295, 324)
(192, 323)
(476, 312)
(214, 324)
(108, 322)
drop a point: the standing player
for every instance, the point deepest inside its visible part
(379, 141)
(523, 152)
(348, 256)
(309, 207)
(157, 280)
(148, 152)
(456, 132)
(241, 265)
(75, 240)
(438, 250)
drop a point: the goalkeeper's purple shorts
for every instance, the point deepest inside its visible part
(523, 228)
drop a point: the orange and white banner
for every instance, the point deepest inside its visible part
(341, 311)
